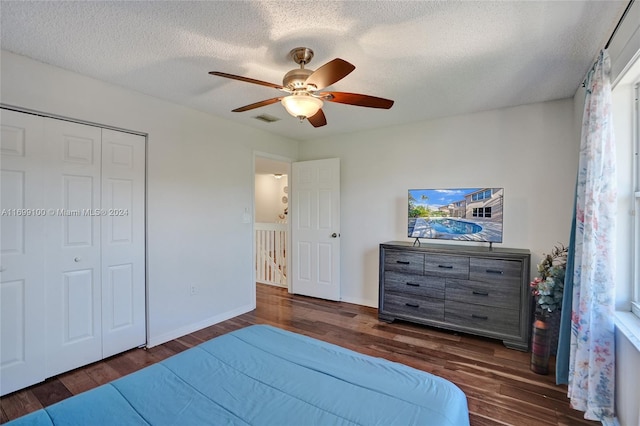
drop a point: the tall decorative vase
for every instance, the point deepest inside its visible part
(541, 345)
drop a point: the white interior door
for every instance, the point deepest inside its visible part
(123, 273)
(22, 333)
(315, 228)
(72, 264)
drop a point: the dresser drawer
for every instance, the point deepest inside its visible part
(447, 266)
(419, 285)
(482, 293)
(420, 307)
(485, 318)
(495, 270)
(408, 262)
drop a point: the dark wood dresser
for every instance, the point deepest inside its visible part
(470, 289)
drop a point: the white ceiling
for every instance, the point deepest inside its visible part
(433, 58)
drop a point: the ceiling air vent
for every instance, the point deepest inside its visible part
(266, 118)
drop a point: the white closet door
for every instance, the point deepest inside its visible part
(73, 264)
(22, 333)
(123, 244)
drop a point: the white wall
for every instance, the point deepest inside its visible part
(529, 150)
(199, 183)
(269, 193)
(627, 381)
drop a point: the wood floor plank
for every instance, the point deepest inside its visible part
(160, 352)
(206, 333)
(51, 391)
(500, 387)
(19, 403)
(176, 346)
(189, 340)
(131, 361)
(102, 373)
(478, 420)
(510, 415)
(78, 381)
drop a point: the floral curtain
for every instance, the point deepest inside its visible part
(591, 365)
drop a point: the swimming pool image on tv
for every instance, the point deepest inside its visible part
(464, 214)
(452, 226)
(430, 227)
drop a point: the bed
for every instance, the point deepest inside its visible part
(262, 375)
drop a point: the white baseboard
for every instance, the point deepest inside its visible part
(362, 302)
(174, 334)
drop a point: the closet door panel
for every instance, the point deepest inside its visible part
(22, 300)
(73, 257)
(123, 242)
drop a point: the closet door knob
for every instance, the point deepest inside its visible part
(76, 259)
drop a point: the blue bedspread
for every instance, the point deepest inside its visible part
(261, 375)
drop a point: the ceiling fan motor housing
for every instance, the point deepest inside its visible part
(296, 79)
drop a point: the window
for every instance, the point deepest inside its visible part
(482, 212)
(626, 121)
(635, 246)
(482, 195)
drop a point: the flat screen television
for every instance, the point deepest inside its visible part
(460, 214)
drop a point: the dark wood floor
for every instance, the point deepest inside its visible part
(499, 386)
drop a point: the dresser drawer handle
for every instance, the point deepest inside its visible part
(412, 305)
(413, 284)
(481, 293)
(482, 317)
(445, 266)
(494, 271)
(403, 262)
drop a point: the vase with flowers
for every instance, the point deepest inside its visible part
(547, 289)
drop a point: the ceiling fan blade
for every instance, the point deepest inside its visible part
(257, 104)
(246, 79)
(318, 119)
(329, 73)
(357, 99)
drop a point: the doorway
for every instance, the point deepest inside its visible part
(271, 219)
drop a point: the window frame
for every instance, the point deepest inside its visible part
(635, 194)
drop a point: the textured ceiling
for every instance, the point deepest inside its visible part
(433, 58)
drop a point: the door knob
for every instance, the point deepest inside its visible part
(334, 235)
(76, 259)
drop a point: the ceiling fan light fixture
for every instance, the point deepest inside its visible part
(301, 106)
